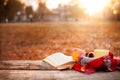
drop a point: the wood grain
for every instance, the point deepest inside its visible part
(39, 70)
(56, 75)
(25, 65)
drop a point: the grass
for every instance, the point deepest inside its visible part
(33, 41)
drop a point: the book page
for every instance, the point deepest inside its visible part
(58, 59)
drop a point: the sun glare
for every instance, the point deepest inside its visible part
(52, 4)
(91, 7)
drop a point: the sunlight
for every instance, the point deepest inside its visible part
(52, 4)
(91, 7)
(33, 3)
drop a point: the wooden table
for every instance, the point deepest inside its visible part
(39, 70)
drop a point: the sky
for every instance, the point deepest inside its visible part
(90, 6)
(51, 4)
(33, 3)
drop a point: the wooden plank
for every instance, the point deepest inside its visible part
(25, 65)
(56, 75)
(39, 70)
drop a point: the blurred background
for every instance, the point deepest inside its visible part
(58, 10)
(34, 29)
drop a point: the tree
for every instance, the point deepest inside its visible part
(75, 9)
(112, 12)
(29, 12)
(2, 10)
(43, 10)
(9, 8)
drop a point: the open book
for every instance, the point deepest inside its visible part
(60, 61)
